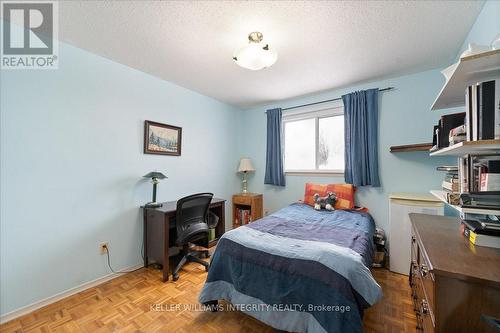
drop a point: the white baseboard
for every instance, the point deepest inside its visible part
(59, 296)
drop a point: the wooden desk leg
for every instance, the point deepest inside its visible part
(145, 237)
(222, 220)
(166, 230)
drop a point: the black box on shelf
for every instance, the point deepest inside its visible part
(446, 124)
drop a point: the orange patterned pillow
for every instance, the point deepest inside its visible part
(344, 192)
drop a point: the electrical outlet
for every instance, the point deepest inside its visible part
(103, 247)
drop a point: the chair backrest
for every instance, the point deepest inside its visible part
(191, 219)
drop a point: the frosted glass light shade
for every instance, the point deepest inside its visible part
(256, 55)
(245, 165)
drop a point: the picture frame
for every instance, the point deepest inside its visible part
(162, 139)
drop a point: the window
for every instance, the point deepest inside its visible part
(314, 141)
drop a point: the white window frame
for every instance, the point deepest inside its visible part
(336, 109)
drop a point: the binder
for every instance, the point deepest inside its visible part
(486, 110)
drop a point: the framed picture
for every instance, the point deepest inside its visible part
(162, 139)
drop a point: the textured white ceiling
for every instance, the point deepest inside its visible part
(320, 45)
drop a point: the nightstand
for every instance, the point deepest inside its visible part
(247, 207)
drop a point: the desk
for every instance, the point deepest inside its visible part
(157, 231)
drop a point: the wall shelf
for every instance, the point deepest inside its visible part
(481, 147)
(467, 70)
(441, 195)
(411, 147)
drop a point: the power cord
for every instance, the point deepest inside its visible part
(109, 260)
(109, 263)
(156, 265)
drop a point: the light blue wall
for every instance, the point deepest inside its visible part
(486, 27)
(405, 118)
(72, 161)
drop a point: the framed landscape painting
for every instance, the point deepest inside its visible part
(162, 139)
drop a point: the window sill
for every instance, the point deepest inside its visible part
(314, 173)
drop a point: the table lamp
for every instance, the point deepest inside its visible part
(155, 176)
(245, 167)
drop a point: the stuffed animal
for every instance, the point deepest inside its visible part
(327, 202)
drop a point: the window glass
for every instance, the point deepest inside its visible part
(331, 143)
(300, 144)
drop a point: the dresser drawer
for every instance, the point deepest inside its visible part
(413, 268)
(428, 282)
(414, 247)
(417, 297)
(425, 321)
(242, 200)
(426, 318)
(422, 282)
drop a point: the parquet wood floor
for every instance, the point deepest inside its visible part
(127, 304)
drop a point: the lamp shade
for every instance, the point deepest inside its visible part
(256, 55)
(155, 174)
(246, 165)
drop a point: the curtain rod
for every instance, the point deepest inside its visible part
(326, 101)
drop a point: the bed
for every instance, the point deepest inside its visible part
(298, 270)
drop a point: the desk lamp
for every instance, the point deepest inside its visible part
(155, 176)
(245, 167)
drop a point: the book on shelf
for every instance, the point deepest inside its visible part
(471, 171)
(457, 135)
(243, 216)
(482, 106)
(485, 200)
(453, 198)
(489, 182)
(451, 183)
(473, 107)
(493, 166)
(450, 186)
(463, 175)
(451, 177)
(468, 113)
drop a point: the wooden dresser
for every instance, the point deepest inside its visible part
(453, 282)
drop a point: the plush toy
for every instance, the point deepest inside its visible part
(327, 202)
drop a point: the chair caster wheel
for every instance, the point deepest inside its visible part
(212, 305)
(175, 277)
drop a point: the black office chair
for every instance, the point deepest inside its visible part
(191, 224)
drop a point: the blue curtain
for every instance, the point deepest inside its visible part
(275, 174)
(360, 133)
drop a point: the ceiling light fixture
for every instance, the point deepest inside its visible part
(256, 55)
